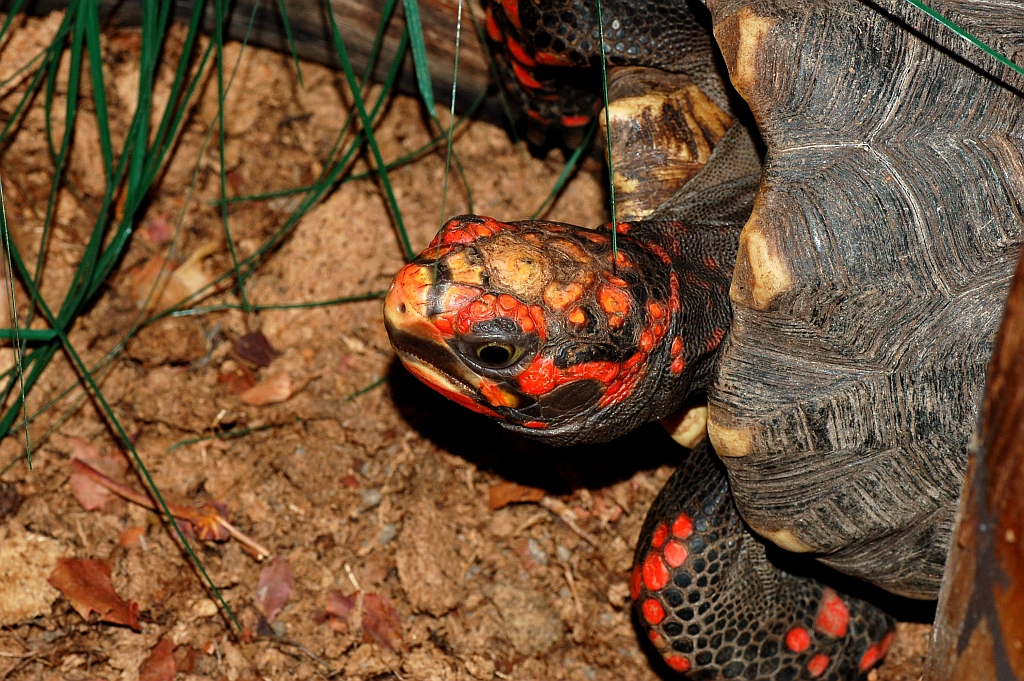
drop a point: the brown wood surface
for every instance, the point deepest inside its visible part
(979, 628)
(357, 21)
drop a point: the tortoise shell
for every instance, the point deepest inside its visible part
(872, 275)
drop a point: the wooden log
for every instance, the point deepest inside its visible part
(979, 627)
(358, 21)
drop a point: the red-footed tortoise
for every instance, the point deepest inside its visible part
(837, 307)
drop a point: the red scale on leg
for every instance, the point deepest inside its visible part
(493, 30)
(883, 645)
(870, 658)
(683, 526)
(635, 582)
(817, 665)
(655, 573)
(677, 662)
(833, 616)
(798, 639)
(518, 53)
(652, 610)
(524, 76)
(553, 59)
(660, 535)
(511, 8)
(675, 554)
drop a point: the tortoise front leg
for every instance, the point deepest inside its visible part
(715, 606)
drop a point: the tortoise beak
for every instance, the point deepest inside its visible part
(422, 347)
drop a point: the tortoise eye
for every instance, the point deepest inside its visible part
(497, 355)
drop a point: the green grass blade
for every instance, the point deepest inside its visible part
(608, 137)
(966, 35)
(126, 442)
(451, 125)
(567, 172)
(367, 123)
(414, 27)
(12, 304)
(288, 34)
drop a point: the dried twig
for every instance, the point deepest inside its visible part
(203, 516)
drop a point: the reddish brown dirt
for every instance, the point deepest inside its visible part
(388, 490)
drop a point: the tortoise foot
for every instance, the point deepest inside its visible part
(715, 606)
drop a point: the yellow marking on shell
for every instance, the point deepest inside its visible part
(761, 273)
(517, 267)
(785, 539)
(688, 427)
(463, 271)
(740, 37)
(660, 138)
(732, 442)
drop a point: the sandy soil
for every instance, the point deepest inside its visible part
(388, 490)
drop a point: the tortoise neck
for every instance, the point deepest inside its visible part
(701, 262)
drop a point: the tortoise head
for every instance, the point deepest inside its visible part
(529, 323)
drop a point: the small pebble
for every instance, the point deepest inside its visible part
(589, 672)
(536, 552)
(387, 532)
(371, 497)
(204, 608)
(563, 553)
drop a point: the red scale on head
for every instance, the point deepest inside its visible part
(798, 639)
(652, 610)
(660, 252)
(833, 616)
(654, 571)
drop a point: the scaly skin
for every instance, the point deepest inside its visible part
(530, 324)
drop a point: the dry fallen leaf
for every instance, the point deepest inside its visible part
(89, 493)
(380, 621)
(339, 608)
(174, 283)
(254, 347)
(130, 537)
(504, 493)
(277, 388)
(238, 379)
(86, 584)
(160, 665)
(274, 587)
